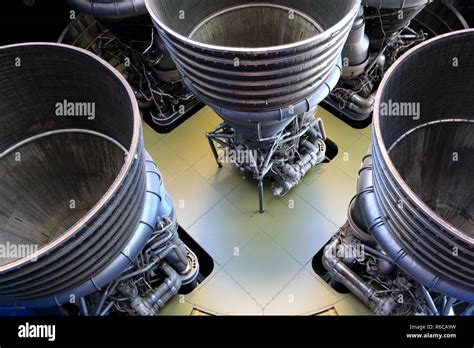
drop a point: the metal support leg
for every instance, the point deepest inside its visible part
(447, 305)
(260, 196)
(214, 151)
(429, 300)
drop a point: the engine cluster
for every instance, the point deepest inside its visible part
(95, 206)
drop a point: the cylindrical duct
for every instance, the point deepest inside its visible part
(417, 196)
(75, 180)
(439, 17)
(110, 9)
(129, 21)
(256, 62)
(356, 49)
(386, 17)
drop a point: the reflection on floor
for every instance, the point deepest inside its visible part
(262, 262)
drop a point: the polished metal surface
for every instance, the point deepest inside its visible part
(33, 213)
(254, 56)
(72, 161)
(220, 28)
(423, 160)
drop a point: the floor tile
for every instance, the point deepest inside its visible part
(315, 173)
(351, 305)
(350, 160)
(189, 139)
(303, 295)
(223, 295)
(330, 194)
(223, 229)
(151, 137)
(263, 268)
(193, 196)
(219, 208)
(336, 130)
(279, 207)
(191, 145)
(208, 117)
(306, 232)
(207, 166)
(177, 306)
(245, 197)
(223, 179)
(339, 295)
(367, 132)
(170, 163)
(226, 179)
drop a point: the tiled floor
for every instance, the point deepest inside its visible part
(262, 261)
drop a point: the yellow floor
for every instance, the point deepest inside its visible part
(262, 262)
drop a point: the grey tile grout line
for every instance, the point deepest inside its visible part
(268, 235)
(284, 286)
(212, 205)
(205, 213)
(279, 246)
(326, 217)
(243, 288)
(224, 196)
(201, 286)
(176, 153)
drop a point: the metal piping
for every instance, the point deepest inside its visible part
(426, 226)
(395, 4)
(151, 304)
(362, 106)
(110, 9)
(339, 271)
(39, 278)
(356, 49)
(386, 18)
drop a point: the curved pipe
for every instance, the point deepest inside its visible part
(111, 9)
(361, 105)
(340, 272)
(439, 239)
(384, 18)
(274, 120)
(244, 75)
(438, 18)
(153, 302)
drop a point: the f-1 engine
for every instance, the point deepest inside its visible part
(411, 221)
(80, 195)
(265, 78)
